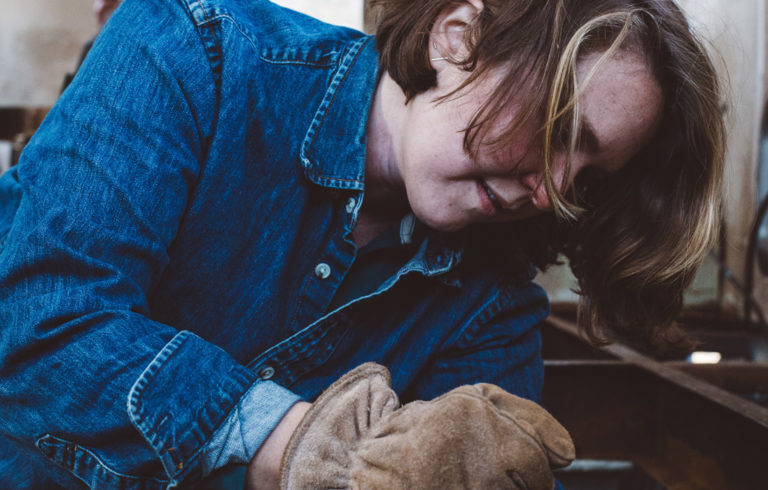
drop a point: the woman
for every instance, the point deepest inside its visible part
(235, 204)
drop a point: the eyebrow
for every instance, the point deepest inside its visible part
(588, 138)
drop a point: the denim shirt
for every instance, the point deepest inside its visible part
(173, 236)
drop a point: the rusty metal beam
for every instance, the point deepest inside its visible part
(685, 432)
(734, 377)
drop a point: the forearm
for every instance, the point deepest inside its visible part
(129, 412)
(89, 377)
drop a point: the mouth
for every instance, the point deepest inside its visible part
(490, 202)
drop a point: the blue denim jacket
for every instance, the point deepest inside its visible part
(174, 234)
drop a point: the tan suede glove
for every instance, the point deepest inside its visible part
(478, 436)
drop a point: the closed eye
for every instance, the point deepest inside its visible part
(589, 183)
(591, 176)
(585, 142)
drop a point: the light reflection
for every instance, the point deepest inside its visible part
(704, 357)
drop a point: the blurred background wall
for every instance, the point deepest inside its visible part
(40, 42)
(737, 30)
(341, 12)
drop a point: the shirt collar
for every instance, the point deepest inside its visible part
(333, 150)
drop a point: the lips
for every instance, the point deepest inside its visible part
(489, 201)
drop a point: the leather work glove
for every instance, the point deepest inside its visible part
(355, 436)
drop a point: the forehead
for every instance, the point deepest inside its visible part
(619, 98)
(621, 102)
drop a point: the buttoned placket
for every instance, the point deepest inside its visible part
(291, 359)
(279, 363)
(329, 267)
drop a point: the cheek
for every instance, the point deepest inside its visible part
(441, 214)
(433, 136)
(521, 155)
(434, 156)
(437, 198)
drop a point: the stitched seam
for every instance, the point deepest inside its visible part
(474, 323)
(295, 62)
(48, 437)
(316, 125)
(134, 403)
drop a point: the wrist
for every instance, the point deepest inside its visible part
(264, 467)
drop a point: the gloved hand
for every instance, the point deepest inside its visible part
(355, 436)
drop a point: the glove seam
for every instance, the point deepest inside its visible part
(496, 410)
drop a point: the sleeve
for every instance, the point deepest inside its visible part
(246, 428)
(87, 378)
(500, 345)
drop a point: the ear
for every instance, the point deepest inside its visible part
(447, 38)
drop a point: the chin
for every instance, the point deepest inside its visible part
(442, 223)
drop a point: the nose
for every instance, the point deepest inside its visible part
(539, 196)
(535, 184)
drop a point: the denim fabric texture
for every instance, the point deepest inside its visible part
(173, 236)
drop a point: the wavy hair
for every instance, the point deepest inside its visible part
(633, 239)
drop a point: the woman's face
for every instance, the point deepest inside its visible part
(449, 189)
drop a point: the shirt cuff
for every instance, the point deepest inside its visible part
(248, 425)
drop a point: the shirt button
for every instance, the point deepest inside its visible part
(267, 372)
(322, 270)
(351, 204)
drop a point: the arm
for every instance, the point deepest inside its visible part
(504, 329)
(264, 469)
(89, 380)
(501, 345)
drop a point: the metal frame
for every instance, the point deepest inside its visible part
(675, 420)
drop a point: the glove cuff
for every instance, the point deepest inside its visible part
(341, 416)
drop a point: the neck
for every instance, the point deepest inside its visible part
(385, 198)
(385, 195)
